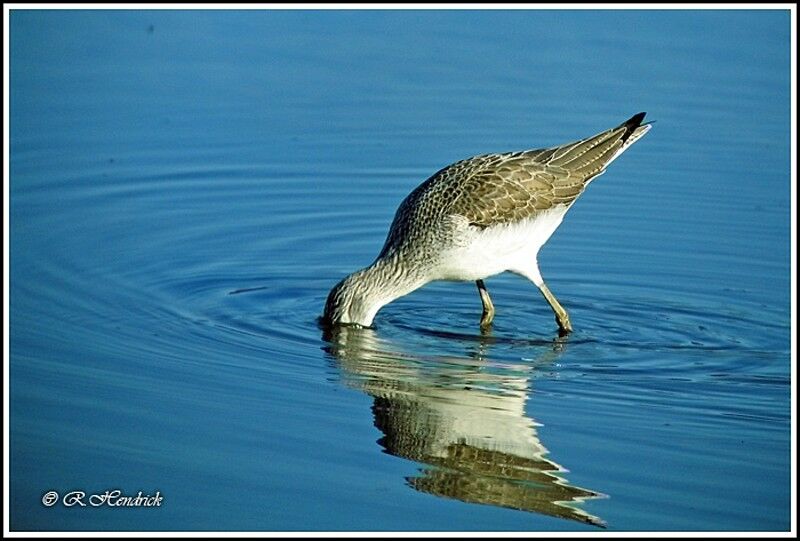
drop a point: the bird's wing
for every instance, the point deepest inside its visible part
(503, 188)
(506, 188)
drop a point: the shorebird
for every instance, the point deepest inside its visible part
(479, 217)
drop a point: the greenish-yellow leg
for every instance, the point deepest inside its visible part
(488, 307)
(562, 318)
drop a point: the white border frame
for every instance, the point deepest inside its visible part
(316, 6)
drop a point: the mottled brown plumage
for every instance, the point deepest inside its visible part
(474, 219)
(494, 189)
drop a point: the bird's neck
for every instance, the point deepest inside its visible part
(358, 297)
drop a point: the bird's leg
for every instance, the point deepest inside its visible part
(562, 318)
(488, 307)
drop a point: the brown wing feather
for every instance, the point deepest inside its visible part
(509, 187)
(503, 188)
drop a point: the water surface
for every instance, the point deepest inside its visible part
(187, 186)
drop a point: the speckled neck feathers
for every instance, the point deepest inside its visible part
(357, 298)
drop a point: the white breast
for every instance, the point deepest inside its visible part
(495, 249)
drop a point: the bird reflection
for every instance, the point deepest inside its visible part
(464, 419)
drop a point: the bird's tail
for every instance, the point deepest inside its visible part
(634, 130)
(589, 157)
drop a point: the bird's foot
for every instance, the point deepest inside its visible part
(564, 325)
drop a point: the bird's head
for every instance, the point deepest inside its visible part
(353, 301)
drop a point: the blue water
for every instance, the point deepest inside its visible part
(186, 187)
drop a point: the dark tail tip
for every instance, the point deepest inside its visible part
(631, 124)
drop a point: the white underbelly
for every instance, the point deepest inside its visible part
(500, 248)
